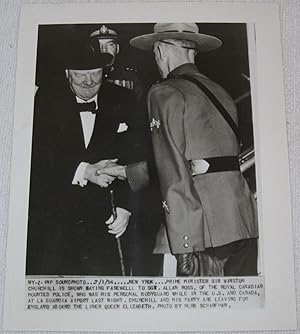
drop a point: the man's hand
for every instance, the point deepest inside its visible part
(188, 264)
(200, 264)
(114, 170)
(118, 227)
(93, 173)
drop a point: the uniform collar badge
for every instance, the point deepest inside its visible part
(154, 124)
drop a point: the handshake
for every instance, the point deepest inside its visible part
(104, 172)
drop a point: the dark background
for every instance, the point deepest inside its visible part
(227, 65)
(224, 65)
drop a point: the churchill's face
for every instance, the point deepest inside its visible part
(85, 83)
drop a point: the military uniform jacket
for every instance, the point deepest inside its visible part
(206, 210)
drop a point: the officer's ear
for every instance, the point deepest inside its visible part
(67, 74)
(160, 51)
(196, 53)
(118, 48)
(192, 55)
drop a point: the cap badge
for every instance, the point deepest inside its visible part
(104, 30)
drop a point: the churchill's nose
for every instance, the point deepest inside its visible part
(88, 79)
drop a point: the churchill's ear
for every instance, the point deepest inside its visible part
(67, 73)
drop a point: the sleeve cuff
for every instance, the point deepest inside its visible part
(78, 178)
(137, 175)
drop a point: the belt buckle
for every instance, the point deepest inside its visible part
(199, 166)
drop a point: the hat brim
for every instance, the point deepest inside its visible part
(203, 42)
(108, 36)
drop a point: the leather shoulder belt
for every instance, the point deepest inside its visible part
(215, 164)
(215, 102)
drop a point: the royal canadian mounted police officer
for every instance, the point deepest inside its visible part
(211, 216)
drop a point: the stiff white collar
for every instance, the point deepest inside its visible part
(93, 99)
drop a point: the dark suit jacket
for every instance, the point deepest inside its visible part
(57, 207)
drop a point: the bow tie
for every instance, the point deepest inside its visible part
(87, 106)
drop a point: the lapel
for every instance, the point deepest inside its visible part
(105, 127)
(68, 119)
(107, 120)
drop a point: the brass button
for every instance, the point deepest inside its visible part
(186, 237)
(186, 245)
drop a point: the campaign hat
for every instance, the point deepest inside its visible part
(179, 31)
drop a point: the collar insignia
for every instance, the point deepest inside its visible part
(154, 124)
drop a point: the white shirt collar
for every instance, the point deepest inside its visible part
(93, 99)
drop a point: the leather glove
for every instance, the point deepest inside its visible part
(188, 264)
(199, 264)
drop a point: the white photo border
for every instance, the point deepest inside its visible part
(279, 312)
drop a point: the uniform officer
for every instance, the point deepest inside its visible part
(108, 41)
(211, 216)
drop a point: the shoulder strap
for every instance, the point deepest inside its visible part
(215, 102)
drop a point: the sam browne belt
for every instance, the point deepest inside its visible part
(214, 165)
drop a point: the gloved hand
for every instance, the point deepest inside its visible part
(199, 264)
(188, 264)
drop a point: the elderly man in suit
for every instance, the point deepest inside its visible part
(81, 126)
(211, 216)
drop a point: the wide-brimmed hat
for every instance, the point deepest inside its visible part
(180, 31)
(85, 56)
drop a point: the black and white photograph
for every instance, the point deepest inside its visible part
(148, 170)
(142, 146)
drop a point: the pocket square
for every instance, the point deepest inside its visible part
(122, 127)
